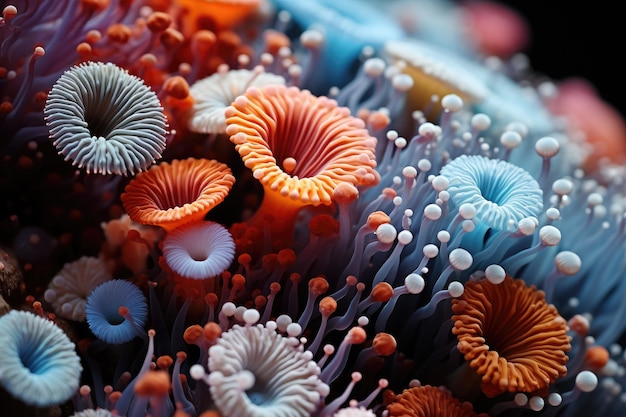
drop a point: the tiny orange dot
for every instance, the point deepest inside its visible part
(119, 33)
(327, 306)
(318, 285)
(384, 344)
(382, 292)
(597, 357)
(159, 21)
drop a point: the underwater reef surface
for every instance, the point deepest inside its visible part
(303, 208)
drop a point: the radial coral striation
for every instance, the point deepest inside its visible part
(199, 250)
(511, 336)
(213, 94)
(502, 193)
(105, 120)
(429, 401)
(38, 362)
(174, 193)
(256, 371)
(300, 147)
(70, 287)
(116, 311)
(428, 188)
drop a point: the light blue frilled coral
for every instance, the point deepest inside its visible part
(38, 362)
(116, 311)
(345, 31)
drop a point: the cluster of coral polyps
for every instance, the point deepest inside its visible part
(303, 208)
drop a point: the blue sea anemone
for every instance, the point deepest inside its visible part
(38, 362)
(116, 311)
(501, 193)
(345, 30)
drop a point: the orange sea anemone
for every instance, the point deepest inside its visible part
(429, 401)
(300, 147)
(511, 336)
(215, 14)
(174, 193)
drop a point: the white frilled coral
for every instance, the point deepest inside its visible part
(254, 371)
(354, 412)
(213, 94)
(105, 120)
(199, 250)
(70, 287)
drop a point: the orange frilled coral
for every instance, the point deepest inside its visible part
(429, 401)
(511, 336)
(300, 147)
(216, 14)
(178, 192)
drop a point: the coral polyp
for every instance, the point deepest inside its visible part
(105, 120)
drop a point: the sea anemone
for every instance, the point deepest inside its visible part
(437, 72)
(38, 362)
(174, 193)
(105, 120)
(429, 401)
(300, 147)
(212, 95)
(346, 32)
(502, 193)
(510, 336)
(69, 288)
(215, 14)
(256, 371)
(354, 412)
(99, 412)
(401, 178)
(199, 250)
(116, 311)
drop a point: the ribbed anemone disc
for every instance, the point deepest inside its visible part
(199, 250)
(105, 120)
(254, 371)
(103, 311)
(213, 94)
(500, 191)
(38, 362)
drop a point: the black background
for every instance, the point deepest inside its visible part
(576, 38)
